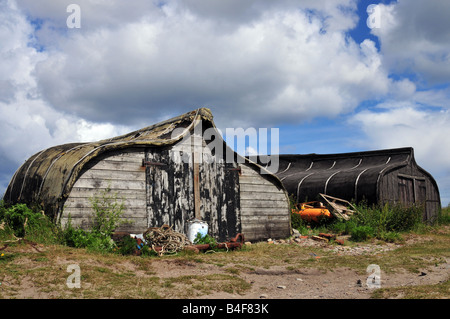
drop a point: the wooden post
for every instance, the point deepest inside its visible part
(197, 201)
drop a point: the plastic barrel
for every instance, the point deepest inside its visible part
(197, 226)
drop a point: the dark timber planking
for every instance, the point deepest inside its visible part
(378, 177)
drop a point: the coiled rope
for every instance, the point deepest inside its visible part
(166, 238)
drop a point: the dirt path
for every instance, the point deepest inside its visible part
(277, 282)
(311, 283)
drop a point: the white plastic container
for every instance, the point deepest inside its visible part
(197, 226)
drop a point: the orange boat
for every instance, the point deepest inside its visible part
(312, 211)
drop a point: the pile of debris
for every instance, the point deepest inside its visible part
(317, 210)
(297, 238)
(164, 240)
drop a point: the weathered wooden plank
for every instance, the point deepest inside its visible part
(267, 229)
(83, 212)
(90, 192)
(88, 210)
(86, 202)
(209, 174)
(255, 233)
(281, 222)
(114, 185)
(254, 180)
(257, 188)
(245, 214)
(183, 190)
(114, 174)
(230, 201)
(269, 225)
(119, 165)
(251, 196)
(263, 203)
(136, 156)
(136, 225)
(247, 170)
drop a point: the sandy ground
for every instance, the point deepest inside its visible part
(310, 283)
(278, 282)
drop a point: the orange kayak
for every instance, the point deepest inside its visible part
(311, 213)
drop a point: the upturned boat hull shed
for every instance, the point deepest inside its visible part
(168, 173)
(377, 177)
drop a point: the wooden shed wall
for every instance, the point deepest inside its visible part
(377, 177)
(122, 172)
(410, 185)
(157, 195)
(264, 207)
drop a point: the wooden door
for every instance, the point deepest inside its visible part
(421, 191)
(406, 190)
(169, 190)
(220, 198)
(171, 193)
(412, 189)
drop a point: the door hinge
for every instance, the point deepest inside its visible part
(147, 163)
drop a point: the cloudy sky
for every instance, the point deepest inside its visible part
(328, 78)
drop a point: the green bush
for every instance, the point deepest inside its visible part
(18, 217)
(44, 231)
(389, 218)
(297, 222)
(384, 222)
(108, 212)
(343, 227)
(2, 209)
(206, 239)
(444, 216)
(127, 246)
(107, 217)
(361, 233)
(92, 240)
(6, 232)
(24, 221)
(390, 237)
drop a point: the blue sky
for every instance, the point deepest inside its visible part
(312, 69)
